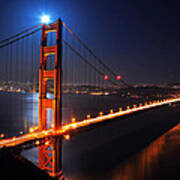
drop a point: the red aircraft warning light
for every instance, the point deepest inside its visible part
(106, 77)
(118, 77)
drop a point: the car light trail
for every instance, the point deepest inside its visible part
(35, 136)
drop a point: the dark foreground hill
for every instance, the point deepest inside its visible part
(13, 166)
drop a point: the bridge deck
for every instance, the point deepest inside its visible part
(33, 136)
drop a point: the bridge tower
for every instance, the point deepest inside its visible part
(50, 153)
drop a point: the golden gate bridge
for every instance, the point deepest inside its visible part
(66, 65)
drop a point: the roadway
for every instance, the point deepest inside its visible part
(67, 128)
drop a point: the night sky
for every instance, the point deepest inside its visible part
(140, 40)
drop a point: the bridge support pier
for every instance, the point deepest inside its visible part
(50, 158)
(50, 154)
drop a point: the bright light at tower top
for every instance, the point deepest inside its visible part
(45, 19)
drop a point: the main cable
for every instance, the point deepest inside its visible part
(19, 38)
(98, 59)
(92, 53)
(87, 62)
(19, 34)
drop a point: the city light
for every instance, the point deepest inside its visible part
(45, 19)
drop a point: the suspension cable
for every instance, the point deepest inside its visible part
(98, 59)
(91, 52)
(87, 62)
(19, 34)
(19, 38)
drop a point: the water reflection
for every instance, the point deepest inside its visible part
(161, 155)
(157, 161)
(19, 111)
